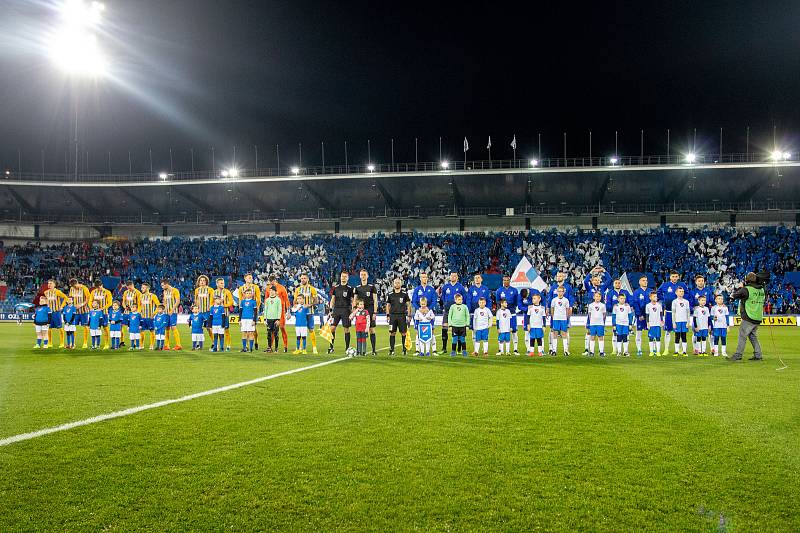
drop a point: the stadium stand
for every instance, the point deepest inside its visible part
(724, 255)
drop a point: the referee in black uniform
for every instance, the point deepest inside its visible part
(341, 307)
(368, 294)
(398, 308)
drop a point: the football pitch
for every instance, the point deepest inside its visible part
(401, 443)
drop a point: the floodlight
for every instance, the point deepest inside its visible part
(534, 162)
(787, 155)
(776, 155)
(445, 165)
(295, 170)
(691, 157)
(163, 175)
(224, 173)
(73, 47)
(613, 160)
(232, 172)
(371, 167)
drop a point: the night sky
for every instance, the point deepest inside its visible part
(189, 73)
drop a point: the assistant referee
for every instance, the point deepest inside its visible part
(398, 309)
(341, 307)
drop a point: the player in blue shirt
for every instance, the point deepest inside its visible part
(116, 317)
(511, 296)
(639, 301)
(69, 315)
(423, 290)
(41, 322)
(666, 294)
(217, 319)
(135, 321)
(701, 290)
(248, 309)
(96, 320)
(160, 324)
(596, 281)
(197, 321)
(448, 293)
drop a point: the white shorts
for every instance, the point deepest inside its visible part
(70, 327)
(115, 334)
(247, 325)
(160, 336)
(218, 330)
(135, 336)
(94, 332)
(42, 329)
(198, 337)
(301, 331)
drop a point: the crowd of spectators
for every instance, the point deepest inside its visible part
(723, 255)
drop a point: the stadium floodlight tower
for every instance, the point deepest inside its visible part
(445, 165)
(534, 162)
(163, 176)
(371, 168)
(295, 170)
(690, 158)
(232, 172)
(613, 160)
(74, 50)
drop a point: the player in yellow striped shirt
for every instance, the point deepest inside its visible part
(171, 299)
(148, 302)
(56, 300)
(249, 285)
(103, 297)
(307, 294)
(130, 297)
(227, 302)
(81, 299)
(204, 299)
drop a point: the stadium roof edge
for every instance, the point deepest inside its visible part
(390, 175)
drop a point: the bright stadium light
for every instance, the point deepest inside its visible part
(73, 47)
(224, 174)
(534, 162)
(232, 172)
(445, 165)
(780, 155)
(691, 157)
(787, 156)
(613, 160)
(295, 170)
(371, 167)
(163, 175)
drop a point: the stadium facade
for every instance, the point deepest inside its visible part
(468, 196)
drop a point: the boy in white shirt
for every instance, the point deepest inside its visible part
(560, 311)
(654, 313)
(681, 311)
(481, 322)
(719, 321)
(536, 320)
(700, 316)
(596, 322)
(503, 329)
(623, 318)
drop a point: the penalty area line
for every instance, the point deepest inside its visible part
(163, 403)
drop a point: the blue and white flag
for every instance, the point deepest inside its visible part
(526, 277)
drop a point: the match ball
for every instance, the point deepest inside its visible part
(351, 352)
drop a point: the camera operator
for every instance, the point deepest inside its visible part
(751, 308)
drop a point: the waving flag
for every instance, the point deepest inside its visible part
(514, 142)
(626, 285)
(466, 145)
(489, 146)
(526, 277)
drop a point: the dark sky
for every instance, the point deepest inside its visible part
(193, 73)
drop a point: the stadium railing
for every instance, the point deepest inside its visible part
(428, 167)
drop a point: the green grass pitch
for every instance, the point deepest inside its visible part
(403, 443)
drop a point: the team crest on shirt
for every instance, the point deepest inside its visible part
(447, 291)
(474, 293)
(669, 289)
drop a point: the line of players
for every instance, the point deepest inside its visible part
(607, 298)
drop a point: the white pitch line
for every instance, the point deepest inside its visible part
(133, 410)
